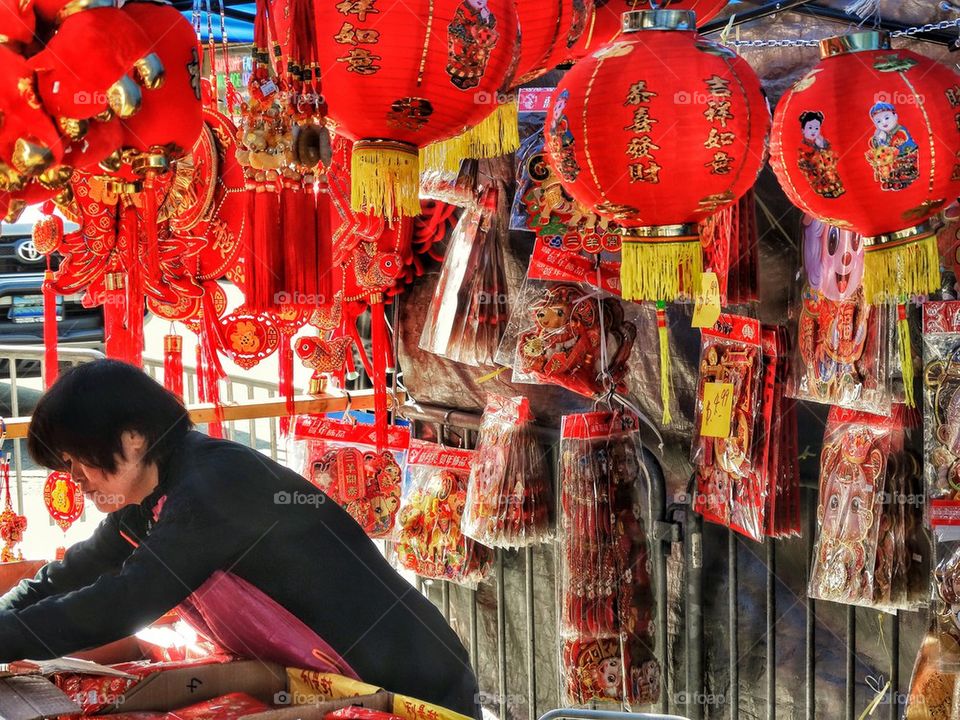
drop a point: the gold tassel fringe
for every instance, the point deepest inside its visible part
(906, 354)
(497, 134)
(911, 269)
(385, 179)
(664, 362)
(658, 270)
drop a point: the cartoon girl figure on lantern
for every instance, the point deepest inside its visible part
(894, 155)
(817, 161)
(562, 140)
(471, 37)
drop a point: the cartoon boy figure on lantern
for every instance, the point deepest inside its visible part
(471, 38)
(893, 154)
(562, 140)
(817, 161)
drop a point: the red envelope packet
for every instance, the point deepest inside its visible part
(360, 713)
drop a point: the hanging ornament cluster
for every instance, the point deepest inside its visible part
(12, 524)
(867, 141)
(656, 151)
(400, 75)
(90, 86)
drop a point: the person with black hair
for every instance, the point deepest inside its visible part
(248, 551)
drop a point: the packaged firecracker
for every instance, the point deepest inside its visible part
(868, 549)
(605, 577)
(342, 459)
(469, 308)
(430, 541)
(566, 328)
(842, 354)
(747, 473)
(509, 495)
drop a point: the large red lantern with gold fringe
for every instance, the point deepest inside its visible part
(868, 140)
(606, 20)
(400, 74)
(658, 131)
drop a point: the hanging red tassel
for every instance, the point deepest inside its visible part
(134, 306)
(212, 369)
(378, 336)
(264, 265)
(149, 196)
(51, 366)
(173, 364)
(286, 383)
(292, 240)
(114, 317)
(324, 245)
(308, 265)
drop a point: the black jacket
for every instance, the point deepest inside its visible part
(220, 513)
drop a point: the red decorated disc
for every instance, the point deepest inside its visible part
(63, 498)
(249, 337)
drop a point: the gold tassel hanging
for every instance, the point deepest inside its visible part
(906, 353)
(497, 134)
(665, 392)
(896, 266)
(657, 269)
(385, 178)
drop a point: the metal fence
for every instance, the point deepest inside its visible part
(507, 622)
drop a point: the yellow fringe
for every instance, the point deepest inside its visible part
(906, 354)
(651, 271)
(385, 181)
(497, 134)
(664, 368)
(911, 269)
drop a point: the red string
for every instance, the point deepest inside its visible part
(50, 330)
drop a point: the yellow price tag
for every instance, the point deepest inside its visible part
(707, 309)
(717, 409)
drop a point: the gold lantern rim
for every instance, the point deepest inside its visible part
(683, 232)
(900, 237)
(861, 41)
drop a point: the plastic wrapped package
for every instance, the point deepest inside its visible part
(454, 187)
(341, 458)
(509, 495)
(932, 689)
(569, 332)
(843, 349)
(868, 548)
(469, 307)
(430, 541)
(941, 382)
(605, 583)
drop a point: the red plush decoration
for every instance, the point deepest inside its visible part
(83, 69)
(171, 116)
(868, 141)
(96, 141)
(607, 19)
(659, 151)
(17, 23)
(29, 143)
(399, 74)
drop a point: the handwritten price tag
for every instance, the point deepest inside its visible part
(707, 309)
(717, 409)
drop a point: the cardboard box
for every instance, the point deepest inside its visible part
(382, 701)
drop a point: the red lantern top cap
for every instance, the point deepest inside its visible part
(659, 20)
(854, 42)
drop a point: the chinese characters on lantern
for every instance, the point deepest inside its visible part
(640, 147)
(718, 112)
(360, 60)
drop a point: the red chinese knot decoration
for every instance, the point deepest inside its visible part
(63, 499)
(868, 141)
(658, 151)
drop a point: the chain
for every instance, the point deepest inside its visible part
(784, 43)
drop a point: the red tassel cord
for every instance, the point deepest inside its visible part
(292, 238)
(134, 305)
(354, 334)
(286, 357)
(149, 196)
(378, 335)
(173, 364)
(324, 235)
(212, 369)
(114, 317)
(264, 266)
(50, 332)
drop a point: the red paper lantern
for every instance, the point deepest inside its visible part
(658, 151)
(400, 74)
(607, 18)
(868, 141)
(539, 24)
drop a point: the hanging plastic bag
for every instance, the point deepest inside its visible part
(430, 541)
(509, 496)
(605, 580)
(341, 458)
(469, 308)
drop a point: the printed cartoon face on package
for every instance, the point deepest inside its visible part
(852, 470)
(612, 670)
(941, 378)
(725, 361)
